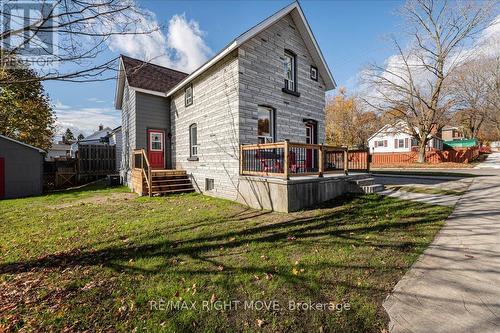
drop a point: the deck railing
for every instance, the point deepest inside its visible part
(287, 159)
(141, 163)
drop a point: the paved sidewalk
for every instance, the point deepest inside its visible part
(434, 199)
(491, 162)
(455, 284)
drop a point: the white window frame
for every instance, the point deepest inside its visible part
(290, 62)
(379, 143)
(188, 98)
(314, 76)
(151, 141)
(266, 138)
(193, 148)
(400, 146)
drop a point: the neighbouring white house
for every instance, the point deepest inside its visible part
(396, 138)
(59, 150)
(99, 137)
(232, 117)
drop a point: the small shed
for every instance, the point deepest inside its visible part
(21, 169)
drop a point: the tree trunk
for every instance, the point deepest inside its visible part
(421, 152)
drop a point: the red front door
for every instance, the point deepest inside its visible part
(2, 177)
(156, 149)
(310, 139)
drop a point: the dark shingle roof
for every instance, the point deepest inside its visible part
(149, 76)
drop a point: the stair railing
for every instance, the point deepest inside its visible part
(141, 161)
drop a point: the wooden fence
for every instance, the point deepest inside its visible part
(456, 155)
(91, 163)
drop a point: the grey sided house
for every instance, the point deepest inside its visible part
(21, 169)
(239, 126)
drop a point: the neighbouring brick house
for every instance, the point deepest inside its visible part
(267, 85)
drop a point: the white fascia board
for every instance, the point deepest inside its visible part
(150, 92)
(120, 85)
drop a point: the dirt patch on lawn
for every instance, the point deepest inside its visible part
(113, 198)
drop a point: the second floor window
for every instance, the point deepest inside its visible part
(289, 66)
(188, 95)
(193, 141)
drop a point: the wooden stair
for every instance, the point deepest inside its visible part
(169, 181)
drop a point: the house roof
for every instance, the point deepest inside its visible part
(60, 146)
(145, 77)
(97, 135)
(448, 128)
(22, 143)
(162, 81)
(399, 124)
(300, 20)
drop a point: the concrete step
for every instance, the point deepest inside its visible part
(364, 181)
(373, 188)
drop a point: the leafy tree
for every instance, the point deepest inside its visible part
(347, 124)
(68, 136)
(25, 111)
(80, 137)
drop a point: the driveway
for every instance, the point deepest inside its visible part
(455, 284)
(491, 162)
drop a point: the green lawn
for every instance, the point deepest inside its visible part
(105, 260)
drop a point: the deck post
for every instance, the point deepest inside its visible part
(368, 159)
(346, 161)
(150, 182)
(241, 159)
(321, 160)
(287, 167)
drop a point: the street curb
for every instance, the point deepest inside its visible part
(418, 177)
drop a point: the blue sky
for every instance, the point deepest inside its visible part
(350, 34)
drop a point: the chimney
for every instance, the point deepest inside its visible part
(101, 127)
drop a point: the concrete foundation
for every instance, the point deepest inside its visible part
(296, 193)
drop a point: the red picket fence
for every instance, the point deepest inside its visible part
(456, 155)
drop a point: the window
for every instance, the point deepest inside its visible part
(155, 141)
(401, 143)
(289, 66)
(265, 124)
(188, 95)
(381, 143)
(193, 141)
(209, 184)
(314, 73)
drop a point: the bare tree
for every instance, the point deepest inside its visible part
(413, 82)
(469, 90)
(73, 33)
(493, 97)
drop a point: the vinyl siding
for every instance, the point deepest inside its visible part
(152, 112)
(23, 169)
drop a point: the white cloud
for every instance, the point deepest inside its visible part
(181, 47)
(84, 120)
(486, 45)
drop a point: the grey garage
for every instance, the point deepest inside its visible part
(21, 169)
